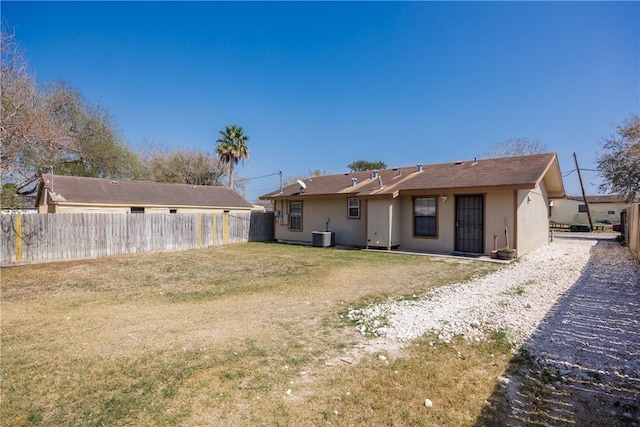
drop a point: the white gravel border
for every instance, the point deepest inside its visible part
(514, 299)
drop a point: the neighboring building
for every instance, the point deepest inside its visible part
(263, 205)
(73, 194)
(573, 209)
(449, 207)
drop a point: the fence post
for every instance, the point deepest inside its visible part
(18, 238)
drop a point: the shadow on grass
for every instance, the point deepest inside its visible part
(582, 366)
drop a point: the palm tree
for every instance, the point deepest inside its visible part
(232, 147)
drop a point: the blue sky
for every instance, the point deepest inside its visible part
(318, 85)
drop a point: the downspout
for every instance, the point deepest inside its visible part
(390, 225)
(366, 222)
(515, 220)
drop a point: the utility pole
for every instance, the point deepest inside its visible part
(584, 196)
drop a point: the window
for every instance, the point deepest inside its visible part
(172, 211)
(137, 210)
(424, 216)
(354, 208)
(611, 212)
(582, 208)
(295, 216)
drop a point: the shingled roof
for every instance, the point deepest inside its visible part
(98, 191)
(522, 172)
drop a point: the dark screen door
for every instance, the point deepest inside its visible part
(469, 223)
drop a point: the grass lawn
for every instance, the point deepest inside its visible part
(249, 334)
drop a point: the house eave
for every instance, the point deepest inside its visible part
(466, 190)
(152, 206)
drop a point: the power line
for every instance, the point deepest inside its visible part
(257, 177)
(566, 174)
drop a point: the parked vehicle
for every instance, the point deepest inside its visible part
(617, 227)
(580, 228)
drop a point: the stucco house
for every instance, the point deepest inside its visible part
(449, 207)
(74, 194)
(573, 209)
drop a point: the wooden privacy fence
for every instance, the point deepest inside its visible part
(633, 230)
(55, 237)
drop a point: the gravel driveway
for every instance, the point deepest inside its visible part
(573, 307)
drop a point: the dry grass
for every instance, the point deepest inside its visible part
(219, 336)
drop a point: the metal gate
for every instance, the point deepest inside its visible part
(469, 224)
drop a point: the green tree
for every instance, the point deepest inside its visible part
(363, 165)
(9, 197)
(97, 149)
(232, 147)
(619, 165)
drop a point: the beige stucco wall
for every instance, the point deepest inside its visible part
(533, 219)
(384, 222)
(156, 210)
(566, 211)
(212, 210)
(498, 217)
(315, 212)
(444, 242)
(87, 209)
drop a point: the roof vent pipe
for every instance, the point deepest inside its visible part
(419, 167)
(354, 182)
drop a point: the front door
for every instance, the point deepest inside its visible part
(469, 224)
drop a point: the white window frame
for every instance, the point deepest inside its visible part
(432, 216)
(350, 207)
(295, 216)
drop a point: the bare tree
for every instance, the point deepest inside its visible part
(292, 179)
(164, 164)
(30, 136)
(53, 128)
(513, 147)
